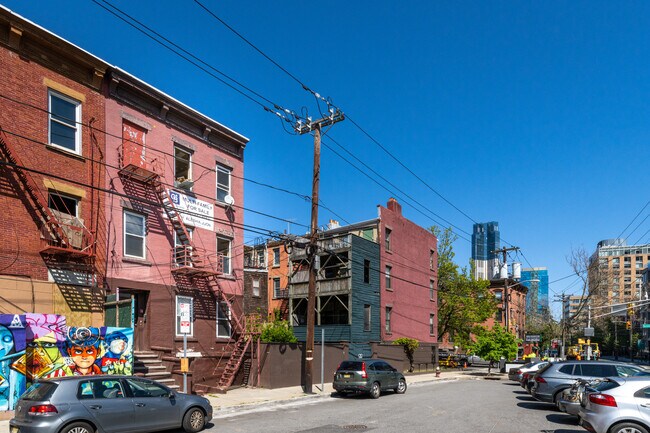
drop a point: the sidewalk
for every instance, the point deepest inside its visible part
(242, 399)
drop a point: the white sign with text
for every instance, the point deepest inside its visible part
(194, 212)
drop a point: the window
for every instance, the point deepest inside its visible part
(141, 388)
(276, 287)
(567, 369)
(223, 320)
(498, 317)
(182, 168)
(63, 204)
(388, 285)
(366, 317)
(387, 240)
(134, 235)
(432, 259)
(256, 287)
(276, 256)
(184, 316)
(498, 295)
(223, 248)
(431, 324)
(389, 312)
(223, 183)
(183, 252)
(432, 292)
(65, 122)
(366, 271)
(100, 388)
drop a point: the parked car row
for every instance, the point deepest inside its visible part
(606, 397)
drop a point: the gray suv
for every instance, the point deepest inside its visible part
(552, 380)
(370, 376)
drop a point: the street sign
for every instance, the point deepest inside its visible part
(533, 338)
(646, 326)
(589, 332)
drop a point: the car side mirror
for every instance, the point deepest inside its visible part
(171, 395)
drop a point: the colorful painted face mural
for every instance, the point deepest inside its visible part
(34, 346)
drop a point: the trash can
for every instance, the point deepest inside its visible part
(502, 365)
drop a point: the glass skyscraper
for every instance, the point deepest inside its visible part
(537, 297)
(485, 240)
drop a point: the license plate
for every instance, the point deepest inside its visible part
(14, 429)
(345, 376)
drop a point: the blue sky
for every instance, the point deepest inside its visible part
(533, 114)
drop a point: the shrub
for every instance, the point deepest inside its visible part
(277, 331)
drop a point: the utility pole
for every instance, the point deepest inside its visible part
(312, 249)
(506, 295)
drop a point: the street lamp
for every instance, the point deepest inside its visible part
(507, 297)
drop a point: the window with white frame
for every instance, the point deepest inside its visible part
(223, 248)
(276, 287)
(431, 324)
(183, 252)
(182, 168)
(432, 291)
(134, 235)
(388, 278)
(63, 204)
(223, 320)
(276, 256)
(387, 238)
(256, 287)
(184, 315)
(223, 183)
(389, 313)
(64, 122)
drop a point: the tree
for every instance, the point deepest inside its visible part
(494, 344)
(463, 303)
(410, 346)
(277, 331)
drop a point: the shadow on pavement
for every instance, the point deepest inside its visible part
(536, 406)
(520, 392)
(562, 418)
(525, 398)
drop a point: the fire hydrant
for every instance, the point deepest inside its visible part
(437, 371)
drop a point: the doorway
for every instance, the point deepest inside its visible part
(128, 309)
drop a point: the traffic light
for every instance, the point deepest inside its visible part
(628, 324)
(630, 309)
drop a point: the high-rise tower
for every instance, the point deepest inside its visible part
(485, 241)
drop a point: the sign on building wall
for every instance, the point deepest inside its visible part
(35, 346)
(197, 213)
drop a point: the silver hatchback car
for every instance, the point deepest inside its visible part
(88, 404)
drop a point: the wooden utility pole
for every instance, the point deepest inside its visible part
(506, 295)
(312, 248)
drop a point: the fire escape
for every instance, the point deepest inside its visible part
(65, 237)
(189, 264)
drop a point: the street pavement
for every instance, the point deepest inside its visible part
(245, 399)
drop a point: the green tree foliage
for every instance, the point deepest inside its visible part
(410, 346)
(463, 303)
(277, 331)
(494, 344)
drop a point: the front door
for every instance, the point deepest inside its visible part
(128, 309)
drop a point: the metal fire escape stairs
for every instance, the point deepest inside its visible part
(188, 260)
(73, 240)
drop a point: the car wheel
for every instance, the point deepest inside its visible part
(401, 386)
(375, 390)
(78, 427)
(557, 398)
(194, 420)
(628, 427)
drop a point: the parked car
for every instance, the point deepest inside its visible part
(618, 405)
(571, 397)
(370, 376)
(88, 404)
(552, 380)
(516, 373)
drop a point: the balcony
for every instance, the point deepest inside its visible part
(67, 235)
(192, 261)
(136, 164)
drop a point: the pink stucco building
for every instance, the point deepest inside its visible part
(409, 286)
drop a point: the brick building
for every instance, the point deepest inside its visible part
(51, 113)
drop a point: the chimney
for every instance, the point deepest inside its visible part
(333, 224)
(394, 206)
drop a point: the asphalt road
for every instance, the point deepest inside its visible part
(481, 406)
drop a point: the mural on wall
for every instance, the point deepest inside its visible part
(35, 346)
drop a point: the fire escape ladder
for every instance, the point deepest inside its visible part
(185, 252)
(53, 229)
(234, 362)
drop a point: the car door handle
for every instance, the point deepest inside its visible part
(140, 404)
(95, 406)
(644, 405)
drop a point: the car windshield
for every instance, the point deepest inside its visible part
(351, 365)
(39, 391)
(605, 385)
